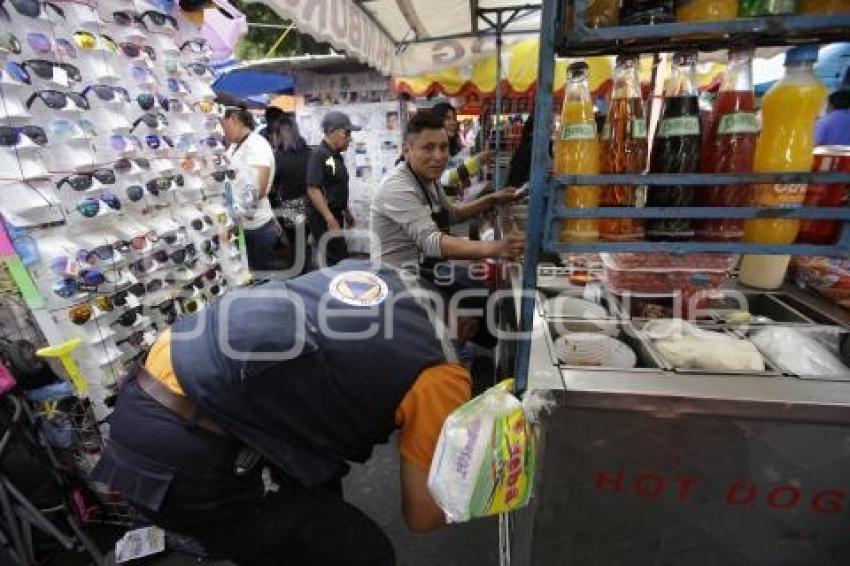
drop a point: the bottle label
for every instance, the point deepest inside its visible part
(680, 126)
(639, 128)
(738, 123)
(580, 131)
(789, 196)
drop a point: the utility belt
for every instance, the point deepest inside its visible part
(247, 460)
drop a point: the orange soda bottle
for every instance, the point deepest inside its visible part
(577, 153)
(706, 10)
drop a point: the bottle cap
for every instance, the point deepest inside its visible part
(577, 68)
(802, 54)
(685, 58)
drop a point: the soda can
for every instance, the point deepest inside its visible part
(834, 158)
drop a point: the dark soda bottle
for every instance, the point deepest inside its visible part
(729, 145)
(640, 12)
(676, 149)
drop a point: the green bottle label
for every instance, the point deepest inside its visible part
(679, 126)
(639, 128)
(738, 123)
(580, 131)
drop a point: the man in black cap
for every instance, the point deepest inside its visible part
(327, 188)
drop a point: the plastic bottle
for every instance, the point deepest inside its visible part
(824, 7)
(753, 8)
(635, 12)
(706, 10)
(676, 148)
(624, 149)
(577, 153)
(729, 145)
(789, 111)
(599, 13)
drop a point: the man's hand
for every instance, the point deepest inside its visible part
(333, 225)
(349, 219)
(505, 196)
(512, 245)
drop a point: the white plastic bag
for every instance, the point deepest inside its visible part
(485, 458)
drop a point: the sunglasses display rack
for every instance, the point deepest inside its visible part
(112, 169)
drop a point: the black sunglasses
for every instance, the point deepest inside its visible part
(159, 19)
(133, 50)
(44, 69)
(219, 176)
(124, 164)
(58, 100)
(129, 318)
(106, 93)
(10, 136)
(150, 120)
(83, 181)
(30, 8)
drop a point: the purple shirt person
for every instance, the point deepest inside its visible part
(834, 127)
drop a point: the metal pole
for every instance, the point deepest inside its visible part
(540, 186)
(497, 176)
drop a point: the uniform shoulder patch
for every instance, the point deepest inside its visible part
(359, 288)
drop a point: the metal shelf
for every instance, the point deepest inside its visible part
(545, 206)
(703, 36)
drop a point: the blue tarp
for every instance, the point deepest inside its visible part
(247, 83)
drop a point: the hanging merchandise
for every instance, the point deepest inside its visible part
(676, 148)
(754, 8)
(823, 7)
(637, 12)
(729, 145)
(112, 154)
(599, 13)
(789, 111)
(624, 149)
(577, 153)
(706, 10)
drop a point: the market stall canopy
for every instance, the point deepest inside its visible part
(246, 83)
(478, 77)
(409, 37)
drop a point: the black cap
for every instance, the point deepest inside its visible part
(338, 121)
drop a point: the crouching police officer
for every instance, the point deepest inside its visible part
(237, 429)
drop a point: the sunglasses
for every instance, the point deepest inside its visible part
(140, 242)
(125, 165)
(57, 100)
(103, 253)
(135, 339)
(168, 309)
(129, 318)
(213, 141)
(122, 143)
(159, 19)
(89, 207)
(66, 288)
(199, 69)
(218, 288)
(146, 101)
(45, 69)
(17, 72)
(177, 256)
(175, 85)
(151, 120)
(194, 45)
(198, 223)
(83, 181)
(135, 193)
(81, 314)
(142, 74)
(9, 43)
(220, 176)
(89, 41)
(92, 277)
(39, 43)
(126, 18)
(30, 8)
(205, 106)
(154, 141)
(210, 246)
(134, 50)
(66, 49)
(10, 136)
(106, 93)
(63, 129)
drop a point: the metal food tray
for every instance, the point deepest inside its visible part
(769, 305)
(648, 358)
(548, 294)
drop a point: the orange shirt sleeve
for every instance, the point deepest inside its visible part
(159, 363)
(437, 392)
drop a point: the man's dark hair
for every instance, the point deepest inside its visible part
(840, 99)
(421, 121)
(242, 114)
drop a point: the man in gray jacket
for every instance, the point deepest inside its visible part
(410, 216)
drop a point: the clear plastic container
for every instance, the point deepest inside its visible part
(666, 273)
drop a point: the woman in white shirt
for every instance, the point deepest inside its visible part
(253, 159)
